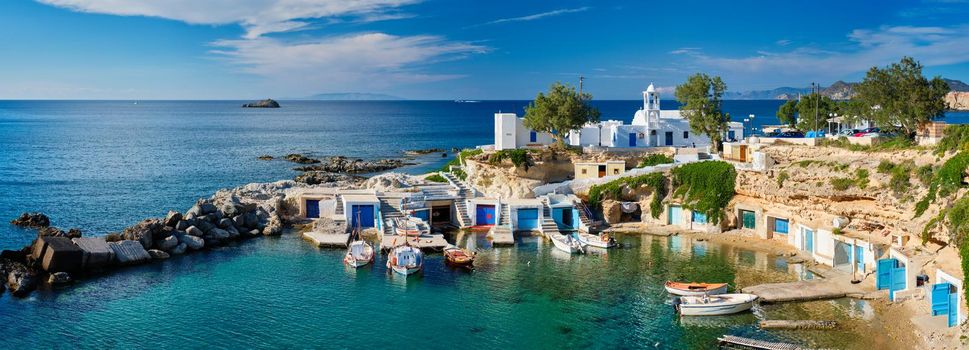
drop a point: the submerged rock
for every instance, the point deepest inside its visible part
(59, 278)
(21, 279)
(56, 232)
(300, 159)
(265, 157)
(31, 220)
(267, 103)
(158, 254)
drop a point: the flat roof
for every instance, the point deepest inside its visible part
(361, 198)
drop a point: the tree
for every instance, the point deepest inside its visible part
(899, 97)
(560, 111)
(811, 106)
(787, 113)
(699, 99)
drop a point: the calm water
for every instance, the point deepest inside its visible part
(103, 165)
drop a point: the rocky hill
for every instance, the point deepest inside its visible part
(958, 100)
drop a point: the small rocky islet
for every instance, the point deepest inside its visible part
(267, 103)
(340, 170)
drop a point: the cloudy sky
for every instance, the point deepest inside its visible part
(456, 49)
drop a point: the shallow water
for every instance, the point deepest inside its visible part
(281, 292)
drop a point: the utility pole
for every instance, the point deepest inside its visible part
(581, 79)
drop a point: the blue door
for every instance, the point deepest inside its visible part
(669, 138)
(898, 281)
(312, 208)
(883, 275)
(675, 215)
(632, 139)
(953, 309)
(527, 219)
(484, 215)
(533, 137)
(731, 135)
(361, 216)
(809, 241)
(940, 299)
(699, 218)
(422, 214)
(860, 258)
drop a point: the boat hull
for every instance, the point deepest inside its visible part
(595, 241)
(736, 303)
(364, 257)
(685, 292)
(405, 270)
(562, 243)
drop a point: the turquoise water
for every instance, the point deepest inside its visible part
(282, 293)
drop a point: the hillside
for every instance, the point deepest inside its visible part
(839, 90)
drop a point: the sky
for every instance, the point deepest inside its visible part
(458, 49)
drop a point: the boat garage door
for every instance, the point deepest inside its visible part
(484, 215)
(675, 215)
(441, 215)
(361, 216)
(890, 275)
(945, 301)
(312, 208)
(527, 219)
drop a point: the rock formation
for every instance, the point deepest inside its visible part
(31, 220)
(958, 100)
(267, 103)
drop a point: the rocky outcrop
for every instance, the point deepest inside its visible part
(957, 100)
(499, 181)
(300, 159)
(398, 182)
(267, 103)
(31, 220)
(56, 232)
(322, 177)
(21, 279)
(344, 165)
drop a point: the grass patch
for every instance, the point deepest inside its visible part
(613, 189)
(956, 138)
(892, 144)
(783, 176)
(705, 187)
(842, 183)
(861, 178)
(655, 159)
(946, 180)
(924, 174)
(435, 178)
(518, 157)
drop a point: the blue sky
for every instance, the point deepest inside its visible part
(457, 49)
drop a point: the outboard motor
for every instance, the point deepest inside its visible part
(676, 303)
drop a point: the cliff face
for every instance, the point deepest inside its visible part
(958, 100)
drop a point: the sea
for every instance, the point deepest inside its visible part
(103, 165)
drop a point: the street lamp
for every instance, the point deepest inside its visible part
(751, 125)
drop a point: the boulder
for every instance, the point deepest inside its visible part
(204, 225)
(158, 254)
(184, 224)
(274, 228)
(167, 244)
(252, 221)
(193, 212)
(218, 233)
(254, 232)
(233, 232)
(226, 223)
(59, 278)
(58, 254)
(267, 103)
(97, 253)
(239, 221)
(192, 242)
(179, 249)
(129, 252)
(215, 217)
(611, 211)
(172, 219)
(207, 208)
(51, 231)
(143, 232)
(21, 280)
(31, 220)
(194, 231)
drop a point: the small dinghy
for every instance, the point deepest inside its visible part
(457, 256)
(695, 289)
(602, 241)
(567, 243)
(410, 226)
(359, 253)
(712, 305)
(405, 259)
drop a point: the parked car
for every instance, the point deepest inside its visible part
(866, 132)
(792, 134)
(849, 132)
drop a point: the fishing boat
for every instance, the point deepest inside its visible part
(410, 226)
(457, 256)
(602, 241)
(405, 259)
(567, 243)
(359, 253)
(712, 305)
(695, 289)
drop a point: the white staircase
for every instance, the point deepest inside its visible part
(549, 227)
(460, 199)
(389, 209)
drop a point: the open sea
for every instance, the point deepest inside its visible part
(104, 165)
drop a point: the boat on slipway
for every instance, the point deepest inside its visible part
(410, 226)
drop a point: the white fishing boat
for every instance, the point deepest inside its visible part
(410, 226)
(711, 305)
(359, 253)
(695, 289)
(566, 243)
(405, 259)
(603, 240)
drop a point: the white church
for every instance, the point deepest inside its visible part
(666, 128)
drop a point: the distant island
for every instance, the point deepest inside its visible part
(348, 96)
(838, 90)
(267, 103)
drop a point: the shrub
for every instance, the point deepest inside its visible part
(842, 183)
(464, 154)
(783, 176)
(885, 166)
(655, 159)
(837, 231)
(946, 180)
(861, 178)
(518, 157)
(706, 187)
(924, 174)
(956, 138)
(435, 178)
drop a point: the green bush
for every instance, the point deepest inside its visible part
(613, 189)
(956, 138)
(435, 178)
(924, 174)
(518, 157)
(706, 187)
(947, 180)
(464, 154)
(783, 176)
(655, 159)
(842, 183)
(885, 166)
(861, 178)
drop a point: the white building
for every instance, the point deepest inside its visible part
(664, 127)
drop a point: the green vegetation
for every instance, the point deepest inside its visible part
(811, 106)
(892, 144)
(900, 174)
(613, 189)
(560, 111)
(904, 96)
(947, 180)
(783, 176)
(885, 166)
(956, 139)
(464, 154)
(655, 159)
(435, 178)
(842, 183)
(705, 187)
(861, 178)
(964, 253)
(787, 113)
(924, 174)
(837, 231)
(699, 99)
(518, 157)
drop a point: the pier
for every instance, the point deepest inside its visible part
(427, 243)
(327, 240)
(501, 236)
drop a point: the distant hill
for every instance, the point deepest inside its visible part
(348, 96)
(839, 90)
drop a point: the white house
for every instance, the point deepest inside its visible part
(664, 127)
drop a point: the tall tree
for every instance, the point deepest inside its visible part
(813, 106)
(560, 111)
(899, 97)
(787, 113)
(700, 98)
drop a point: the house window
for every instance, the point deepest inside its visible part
(780, 226)
(652, 133)
(584, 171)
(748, 219)
(686, 134)
(615, 171)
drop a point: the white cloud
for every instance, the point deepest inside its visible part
(257, 17)
(367, 60)
(539, 15)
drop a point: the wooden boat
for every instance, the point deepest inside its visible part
(602, 241)
(410, 226)
(694, 289)
(711, 305)
(405, 259)
(457, 256)
(567, 243)
(359, 253)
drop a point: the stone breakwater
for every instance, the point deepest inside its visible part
(56, 256)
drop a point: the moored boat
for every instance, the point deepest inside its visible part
(566, 243)
(457, 256)
(359, 253)
(711, 305)
(602, 241)
(694, 289)
(410, 226)
(405, 259)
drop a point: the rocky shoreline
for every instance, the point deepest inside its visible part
(343, 170)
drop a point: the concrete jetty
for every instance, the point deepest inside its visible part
(427, 243)
(327, 240)
(501, 237)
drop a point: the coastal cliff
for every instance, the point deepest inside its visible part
(958, 100)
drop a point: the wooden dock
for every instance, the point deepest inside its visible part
(735, 342)
(429, 243)
(327, 240)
